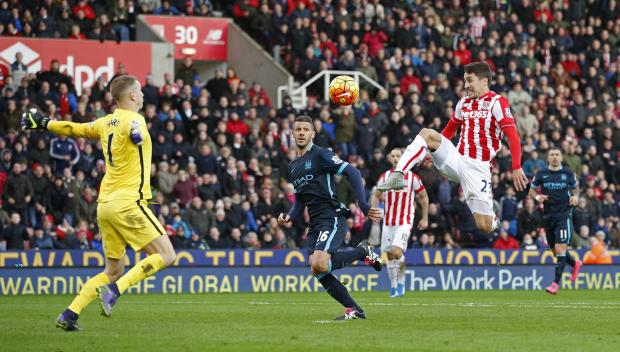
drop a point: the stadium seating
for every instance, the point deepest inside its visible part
(558, 66)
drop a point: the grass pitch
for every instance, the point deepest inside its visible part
(420, 321)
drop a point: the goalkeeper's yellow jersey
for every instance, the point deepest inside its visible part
(128, 166)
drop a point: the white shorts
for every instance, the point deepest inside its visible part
(473, 175)
(395, 236)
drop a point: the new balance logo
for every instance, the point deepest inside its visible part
(214, 37)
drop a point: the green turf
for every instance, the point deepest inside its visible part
(429, 321)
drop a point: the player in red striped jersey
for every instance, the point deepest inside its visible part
(483, 117)
(398, 222)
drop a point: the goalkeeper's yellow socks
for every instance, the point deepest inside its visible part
(87, 293)
(143, 269)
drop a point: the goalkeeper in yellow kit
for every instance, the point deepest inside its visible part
(122, 211)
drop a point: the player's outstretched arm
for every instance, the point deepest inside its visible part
(355, 178)
(519, 179)
(33, 119)
(422, 199)
(501, 111)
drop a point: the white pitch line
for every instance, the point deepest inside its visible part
(328, 321)
(579, 305)
(537, 305)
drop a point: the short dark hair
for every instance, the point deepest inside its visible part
(555, 148)
(120, 84)
(480, 69)
(305, 118)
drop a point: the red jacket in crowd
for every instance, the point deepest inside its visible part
(506, 243)
(89, 14)
(237, 126)
(375, 42)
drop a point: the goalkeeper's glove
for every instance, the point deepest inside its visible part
(135, 134)
(34, 120)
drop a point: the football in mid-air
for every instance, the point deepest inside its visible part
(343, 91)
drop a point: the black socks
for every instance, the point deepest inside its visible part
(343, 257)
(337, 290)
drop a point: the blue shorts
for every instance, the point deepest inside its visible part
(559, 231)
(327, 234)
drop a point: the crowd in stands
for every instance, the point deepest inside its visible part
(221, 146)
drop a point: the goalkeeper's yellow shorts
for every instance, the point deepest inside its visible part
(123, 222)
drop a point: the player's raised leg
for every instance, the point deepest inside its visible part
(67, 320)
(161, 255)
(342, 257)
(427, 139)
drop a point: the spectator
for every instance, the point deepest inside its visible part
(582, 239)
(18, 192)
(251, 241)
(76, 33)
(196, 242)
(345, 130)
(464, 219)
(235, 241)
(15, 236)
(87, 206)
(199, 218)
(222, 223)
(610, 208)
(505, 241)
(150, 91)
(166, 178)
(41, 240)
(19, 70)
(408, 80)
(217, 86)
(178, 240)
(10, 117)
(181, 150)
(598, 254)
(518, 99)
(64, 152)
(184, 190)
(120, 18)
(508, 205)
(167, 8)
(215, 240)
(614, 236)
(528, 243)
(187, 72)
(529, 218)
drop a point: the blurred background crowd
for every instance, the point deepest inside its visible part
(221, 146)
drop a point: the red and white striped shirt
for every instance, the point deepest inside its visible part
(477, 24)
(400, 206)
(482, 121)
